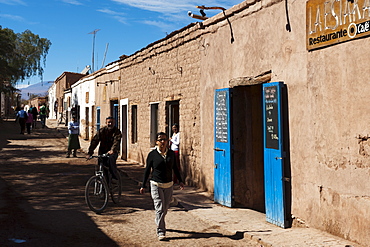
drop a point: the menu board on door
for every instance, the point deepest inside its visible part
(271, 117)
(221, 116)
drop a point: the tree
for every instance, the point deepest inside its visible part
(22, 55)
(7, 48)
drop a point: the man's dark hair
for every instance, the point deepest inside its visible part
(110, 117)
(161, 133)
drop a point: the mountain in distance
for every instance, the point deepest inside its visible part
(39, 89)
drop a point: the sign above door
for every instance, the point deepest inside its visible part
(330, 22)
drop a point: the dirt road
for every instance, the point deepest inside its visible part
(42, 202)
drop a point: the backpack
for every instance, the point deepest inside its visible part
(23, 114)
(43, 110)
(34, 110)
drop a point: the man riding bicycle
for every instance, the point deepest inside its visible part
(109, 138)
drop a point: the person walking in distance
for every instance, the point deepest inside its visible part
(34, 116)
(43, 115)
(29, 121)
(161, 162)
(22, 117)
(109, 138)
(73, 140)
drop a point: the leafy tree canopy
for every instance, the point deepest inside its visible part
(22, 55)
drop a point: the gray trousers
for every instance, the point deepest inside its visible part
(162, 198)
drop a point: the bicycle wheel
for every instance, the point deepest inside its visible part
(116, 189)
(96, 194)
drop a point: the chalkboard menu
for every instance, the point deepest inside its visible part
(221, 116)
(271, 117)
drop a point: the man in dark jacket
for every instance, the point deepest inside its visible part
(109, 138)
(34, 115)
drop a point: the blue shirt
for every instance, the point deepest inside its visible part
(22, 114)
(73, 128)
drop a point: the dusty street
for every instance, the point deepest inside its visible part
(42, 202)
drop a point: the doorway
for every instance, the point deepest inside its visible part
(153, 123)
(114, 112)
(124, 128)
(97, 118)
(87, 123)
(248, 156)
(258, 170)
(172, 115)
(92, 130)
(238, 148)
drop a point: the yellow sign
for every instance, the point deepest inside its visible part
(330, 22)
(104, 94)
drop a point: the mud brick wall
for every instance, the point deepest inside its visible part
(168, 71)
(326, 99)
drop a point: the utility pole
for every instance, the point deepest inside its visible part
(105, 54)
(93, 48)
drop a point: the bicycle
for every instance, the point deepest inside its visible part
(99, 186)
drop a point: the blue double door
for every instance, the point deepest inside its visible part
(227, 184)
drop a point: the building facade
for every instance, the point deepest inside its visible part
(63, 94)
(324, 159)
(269, 95)
(53, 102)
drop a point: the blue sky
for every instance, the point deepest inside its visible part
(125, 25)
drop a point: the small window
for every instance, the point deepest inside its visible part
(98, 118)
(134, 124)
(153, 123)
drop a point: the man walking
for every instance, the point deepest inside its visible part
(22, 117)
(43, 115)
(34, 116)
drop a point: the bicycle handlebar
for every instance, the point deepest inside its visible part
(98, 156)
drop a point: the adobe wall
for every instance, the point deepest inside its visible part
(336, 151)
(327, 104)
(64, 82)
(60, 83)
(166, 72)
(82, 89)
(327, 100)
(108, 90)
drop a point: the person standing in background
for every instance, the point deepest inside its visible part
(73, 140)
(175, 147)
(56, 109)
